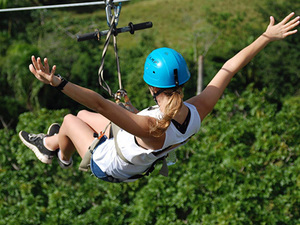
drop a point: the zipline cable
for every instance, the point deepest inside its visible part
(57, 6)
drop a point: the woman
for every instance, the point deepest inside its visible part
(150, 134)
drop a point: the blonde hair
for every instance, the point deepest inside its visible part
(175, 102)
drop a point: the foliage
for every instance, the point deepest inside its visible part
(3, 3)
(52, 34)
(273, 68)
(241, 168)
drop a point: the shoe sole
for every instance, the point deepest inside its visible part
(36, 151)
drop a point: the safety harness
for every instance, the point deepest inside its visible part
(100, 138)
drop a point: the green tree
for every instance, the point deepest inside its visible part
(241, 168)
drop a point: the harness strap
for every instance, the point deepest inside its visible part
(86, 160)
(150, 170)
(115, 130)
(85, 163)
(164, 169)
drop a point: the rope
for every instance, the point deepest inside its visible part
(102, 82)
(118, 63)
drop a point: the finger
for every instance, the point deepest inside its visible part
(53, 70)
(46, 65)
(272, 21)
(38, 61)
(34, 62)
(290, 33)
(293, 23)
(40, 64)
(35, 73)
(287, 18)
(32, 69)
(292, 26)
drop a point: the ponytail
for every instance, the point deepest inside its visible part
(175, 102)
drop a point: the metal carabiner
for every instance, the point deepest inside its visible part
(109, 15)
(121, 93)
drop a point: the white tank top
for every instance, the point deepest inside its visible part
(105, 155)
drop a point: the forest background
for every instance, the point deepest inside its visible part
(241, 168)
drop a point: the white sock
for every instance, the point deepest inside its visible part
(64, 161)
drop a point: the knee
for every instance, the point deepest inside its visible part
(68, 119)
(82, 114)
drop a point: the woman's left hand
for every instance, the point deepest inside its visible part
(282, 29)
(42, 72)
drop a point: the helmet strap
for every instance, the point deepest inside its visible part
(161, 90)
(176, 77)
(154, 95)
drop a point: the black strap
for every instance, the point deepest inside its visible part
(164, 169)
(148, 171)
(62, 84)
(154, 95)
(169, 148)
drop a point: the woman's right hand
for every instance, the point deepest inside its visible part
(42, 72)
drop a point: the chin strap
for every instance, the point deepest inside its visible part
(157, 94)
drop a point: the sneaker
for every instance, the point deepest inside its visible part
(62, 164)
(53, 129)
(35, 143)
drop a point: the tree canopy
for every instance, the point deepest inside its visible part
(241, 168)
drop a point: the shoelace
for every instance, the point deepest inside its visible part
(33, 137)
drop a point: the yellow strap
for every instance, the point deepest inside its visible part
(86, 160)
(115, 130)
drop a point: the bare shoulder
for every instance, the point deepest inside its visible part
(204, 102)
(199, 104)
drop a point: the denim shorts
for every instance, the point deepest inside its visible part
(98, 172)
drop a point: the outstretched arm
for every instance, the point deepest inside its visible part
(135, 124)
(206, 101)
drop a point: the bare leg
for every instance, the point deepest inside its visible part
(51, 142)
(77, 133)
(73, 134)
(95, 120)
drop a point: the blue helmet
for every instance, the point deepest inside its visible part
(165, 68)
